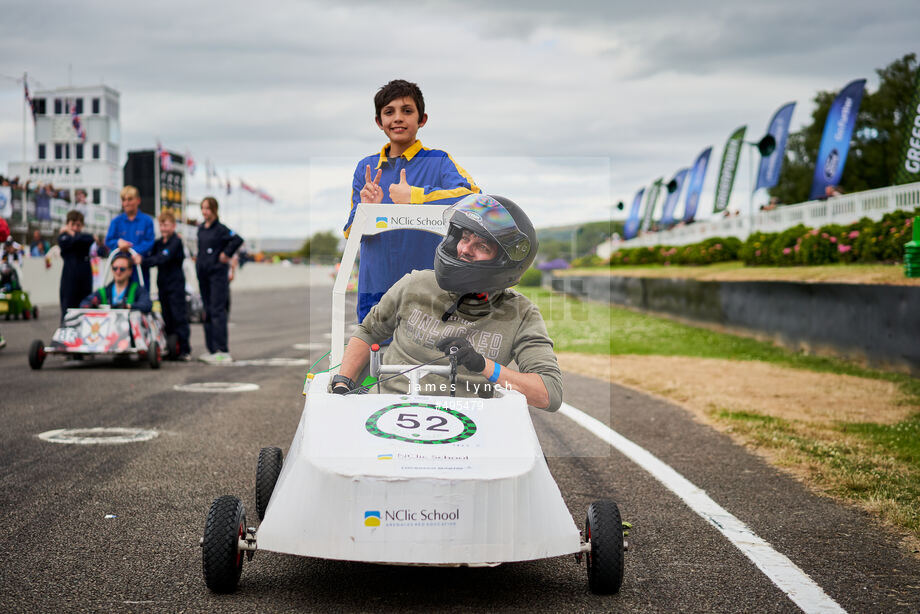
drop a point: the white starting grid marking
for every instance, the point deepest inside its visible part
(785, 574)
(98, 435)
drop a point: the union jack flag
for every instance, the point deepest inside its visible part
(265, 196)
(165, 158)
(77, 124)
(189, 162)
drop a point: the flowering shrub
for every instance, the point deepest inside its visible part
(706, 252)
(862, 241)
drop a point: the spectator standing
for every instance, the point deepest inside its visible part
(132, 229)
(216, 246)
(38, 247)
(77, 274)
(167, 255)
(403, 172)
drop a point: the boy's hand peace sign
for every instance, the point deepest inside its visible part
(401, 192)
(371, 192)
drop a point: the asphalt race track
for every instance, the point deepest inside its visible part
(115, 528)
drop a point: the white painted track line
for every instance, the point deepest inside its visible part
(800, 588)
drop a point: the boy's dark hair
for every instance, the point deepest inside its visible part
(399, 88)
(74, 216)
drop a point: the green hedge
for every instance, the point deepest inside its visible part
(709, 251)
(862, 241)
(531, 277)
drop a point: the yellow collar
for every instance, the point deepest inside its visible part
(408, 154)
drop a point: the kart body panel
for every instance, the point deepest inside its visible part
(107, 331)
(416, 479)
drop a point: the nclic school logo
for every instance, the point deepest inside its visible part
(372, 518)
(382, 222)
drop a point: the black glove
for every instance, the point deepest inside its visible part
(342, 384)
(466, 355)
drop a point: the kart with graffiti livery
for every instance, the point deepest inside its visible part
(102, 330)
(408, 479)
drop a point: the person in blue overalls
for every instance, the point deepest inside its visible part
(77, 275)
(167, 255)
(216, 246)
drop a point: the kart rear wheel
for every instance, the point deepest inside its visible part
(37, 354)
(221, 557)
(35, 312)
(267, 472)
(604, 531)
(154, 356)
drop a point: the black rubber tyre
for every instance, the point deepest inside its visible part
(604, 531)
(37, 354)
(26, 314)
(221, 557)
(153, 355)
(35, 312)
(267, 472)
(172, 346)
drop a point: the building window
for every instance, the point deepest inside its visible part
(111, 108)
(41, 151)
(112, 154)
(79, 104)
(95, 106)
(58, 106)
(95, 151)
(58, 151)
(39, 106)
(97, 196)
(79, 150)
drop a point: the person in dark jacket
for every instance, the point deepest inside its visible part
(167, 255)
(122, 293)
(216, 246)
(77, 275)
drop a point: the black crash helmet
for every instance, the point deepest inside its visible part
(491, 217)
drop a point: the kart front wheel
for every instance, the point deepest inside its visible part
(153, 355)
(267, 472)
(604, 532)
(37, 354)
(221, 557)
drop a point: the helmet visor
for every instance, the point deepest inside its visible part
(488, 214)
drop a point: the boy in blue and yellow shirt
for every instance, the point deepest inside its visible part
(403, 172)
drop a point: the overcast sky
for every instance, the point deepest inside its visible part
(565, 107)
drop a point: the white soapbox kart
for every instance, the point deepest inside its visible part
(410, 479)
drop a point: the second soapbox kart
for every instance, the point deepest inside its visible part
(411, 479)
(102, 330)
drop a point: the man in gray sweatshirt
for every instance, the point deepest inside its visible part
(465, 306)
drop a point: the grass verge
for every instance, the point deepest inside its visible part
(872, 464)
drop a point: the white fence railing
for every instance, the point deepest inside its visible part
(814, 213)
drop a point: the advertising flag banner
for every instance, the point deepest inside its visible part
(245, 186)
(770, 166)
(695, 184)
(909, 161)
(670, 201)
(650, 202)
(835, 142)
(727, 169)
(631, 227)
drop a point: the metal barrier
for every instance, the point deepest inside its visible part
(837, 210)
